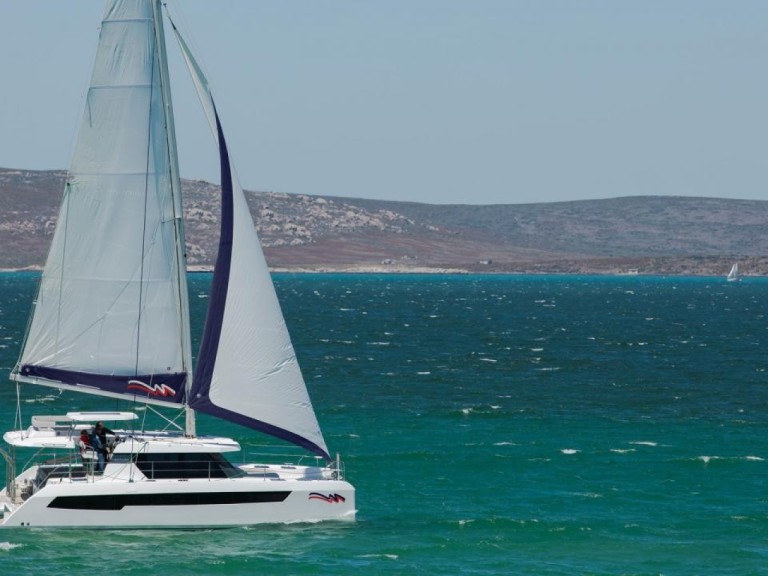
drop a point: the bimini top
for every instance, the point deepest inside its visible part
(60, 432)
(98, 416)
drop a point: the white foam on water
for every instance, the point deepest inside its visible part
(43, 400)
(387, 556)
(570, 451)
(645, 443)
(6, 546)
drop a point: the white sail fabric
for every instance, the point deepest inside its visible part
(110, 299)
(256, 379)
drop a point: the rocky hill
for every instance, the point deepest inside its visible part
(665, 235)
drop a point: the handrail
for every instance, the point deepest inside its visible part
(10, 474)
(207, 469)
(339, 467)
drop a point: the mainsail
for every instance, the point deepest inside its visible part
(111, 316)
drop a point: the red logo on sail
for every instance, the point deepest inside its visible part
(161, 390)
(330, 498)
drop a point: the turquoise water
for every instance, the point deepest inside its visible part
(491, 425)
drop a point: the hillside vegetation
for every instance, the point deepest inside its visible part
(653, 234)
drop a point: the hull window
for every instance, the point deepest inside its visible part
(120, 501)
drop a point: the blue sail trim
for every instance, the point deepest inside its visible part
(200, 394)
(215, 317)
(166, 387)
(205, 405)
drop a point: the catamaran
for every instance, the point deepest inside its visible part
(111, 319)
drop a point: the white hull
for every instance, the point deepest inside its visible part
(163, 480)
(101, 501)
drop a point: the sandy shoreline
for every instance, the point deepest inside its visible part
(419, 270)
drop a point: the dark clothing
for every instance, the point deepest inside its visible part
(102, 434)
(100, 445)
(101, 451)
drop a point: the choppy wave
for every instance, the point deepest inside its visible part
(41, 400)
(708, 459)
(385, 556)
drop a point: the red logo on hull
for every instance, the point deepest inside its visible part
(330, 498)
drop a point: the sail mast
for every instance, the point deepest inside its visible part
(178, 217)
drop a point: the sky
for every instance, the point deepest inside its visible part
(438, 101)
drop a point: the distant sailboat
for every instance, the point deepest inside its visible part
(111, 319)
(733, 275)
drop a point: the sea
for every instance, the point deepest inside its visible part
(491, 424)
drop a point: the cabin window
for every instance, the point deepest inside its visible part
(182, 465)
(121, 458)
(44, 473)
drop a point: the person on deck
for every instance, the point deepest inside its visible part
(99, 443)
(102, 432)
